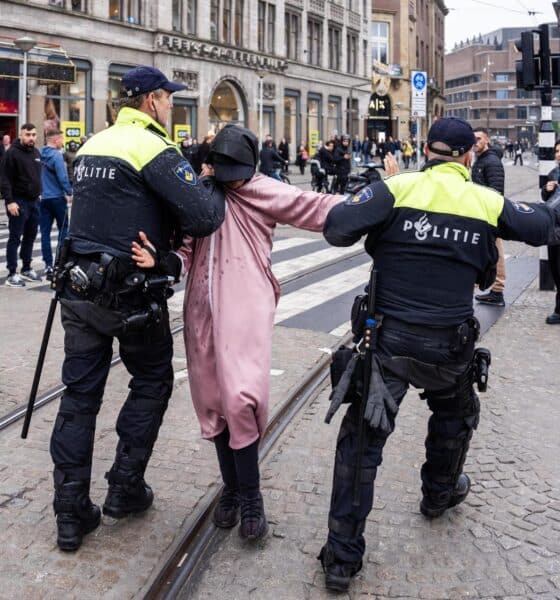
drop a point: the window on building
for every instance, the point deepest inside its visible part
(177, 15)
(502, 94)
(334, 48)
(334, 117)
(266, 25)
(239, 12)
(129, 11)
(293, 28)
(522, 112)
(502, 76)
(475, 113)
(75, 5)
(214, 19)
(314, 42)
(379, 39)
(502, 113)
(227, 22)
(364, 58)
(352, 53)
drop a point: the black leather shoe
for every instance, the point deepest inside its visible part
(76, 515)
(432, 510)
(338, 574)
(226, 514)
(553, 319)
(491, 298)
(254, 525)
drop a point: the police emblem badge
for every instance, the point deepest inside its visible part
(185, 173)
(360, 198)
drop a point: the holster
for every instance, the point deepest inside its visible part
(482, 359)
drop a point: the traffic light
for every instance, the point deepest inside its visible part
(527, 69)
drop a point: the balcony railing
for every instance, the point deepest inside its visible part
(336, 12)
(317, 7)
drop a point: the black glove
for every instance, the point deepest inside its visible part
(339, 392)
(380, 404)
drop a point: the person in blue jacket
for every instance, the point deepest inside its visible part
(57, 191)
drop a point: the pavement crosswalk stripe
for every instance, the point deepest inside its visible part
(317, 293)
(341, 329)
(307, 261)
(291, 242)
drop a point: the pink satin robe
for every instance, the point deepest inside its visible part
(230, 300)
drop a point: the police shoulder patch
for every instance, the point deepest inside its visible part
(523, 208)
(185, 173)
(361, 197)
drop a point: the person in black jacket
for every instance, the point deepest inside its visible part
(550, 188)
(129, 178)
(21, 190)
(488, 170)
(433, 225)
(267, 158)
(284, 152)
(342, 158)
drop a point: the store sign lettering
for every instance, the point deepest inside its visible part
(220, 53)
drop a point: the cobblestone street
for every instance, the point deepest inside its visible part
(503, 542)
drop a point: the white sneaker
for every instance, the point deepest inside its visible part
(30, 275)
(15, 281)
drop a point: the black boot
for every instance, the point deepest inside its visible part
(432, 509)
(76, 515)
(254, 525)
(128, 492)
(226, 513)
(338, 574)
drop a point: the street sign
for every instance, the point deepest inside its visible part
(418, 93)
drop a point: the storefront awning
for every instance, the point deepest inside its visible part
(47, 64)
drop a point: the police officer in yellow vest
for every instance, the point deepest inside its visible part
(431, 235)
(128, 178)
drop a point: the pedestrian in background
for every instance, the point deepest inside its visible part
(518, 151)
(407, 153)
(549, 189)
(69, 156)
(488, 171)
(268, 159)
(427, 333)
(284, 152)
(356, 149)
(6, 143)
(302, 157)
(21, 190)
(56, 194)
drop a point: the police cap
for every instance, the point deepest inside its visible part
(453, 132)
(142, 80)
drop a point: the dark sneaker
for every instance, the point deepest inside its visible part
(76, 515)
(433, 510)
(338, 574)
(226, 514)
(15, 281)
(30, 275)
(49, 273)
(254, 525)
(553, 319)
(491, 298)
(127, 494)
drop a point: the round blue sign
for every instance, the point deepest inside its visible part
(419, 81)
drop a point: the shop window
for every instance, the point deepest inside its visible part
(70, 101)
(334, 117)
(183, 118)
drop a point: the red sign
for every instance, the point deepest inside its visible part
(8, 107)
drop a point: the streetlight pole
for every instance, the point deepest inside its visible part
(488, 63)
(25, 44)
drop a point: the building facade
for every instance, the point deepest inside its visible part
(406, 35)
(480, 86)
(309, 61)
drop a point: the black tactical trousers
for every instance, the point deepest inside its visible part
(88, 338)
(429, 359)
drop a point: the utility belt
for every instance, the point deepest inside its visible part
(116, 284)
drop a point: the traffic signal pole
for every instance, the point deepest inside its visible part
(547, 138)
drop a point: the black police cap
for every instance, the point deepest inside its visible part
(453, 132)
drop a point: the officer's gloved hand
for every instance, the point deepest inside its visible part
(380, 404)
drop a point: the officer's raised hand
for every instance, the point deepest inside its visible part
(390, 165)
(144, 254)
